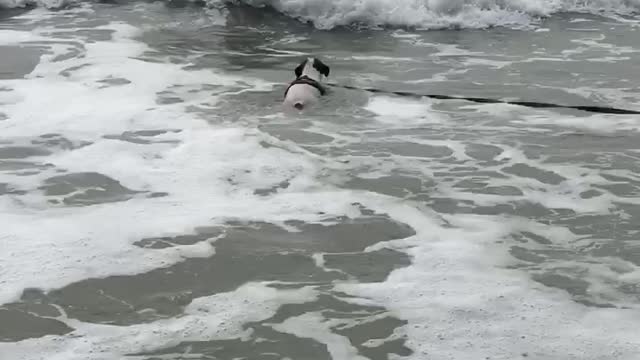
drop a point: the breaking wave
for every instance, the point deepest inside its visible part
(421, 14)
(436, 14)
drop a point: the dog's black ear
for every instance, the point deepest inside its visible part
(300, 67)
(321, 67)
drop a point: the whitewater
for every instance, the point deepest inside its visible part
(157, 203)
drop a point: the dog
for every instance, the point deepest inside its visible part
(307, 88)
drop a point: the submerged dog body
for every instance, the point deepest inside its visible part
(307, 87)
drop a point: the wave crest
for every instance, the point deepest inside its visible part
(49, 4)
(434, 14)
(420, 14)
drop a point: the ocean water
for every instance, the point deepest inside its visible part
(157, 203)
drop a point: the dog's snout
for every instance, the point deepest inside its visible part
(298, 106)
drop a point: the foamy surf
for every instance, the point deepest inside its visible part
(438, 14)
(421, 14)
(103, 106)
(156, 202)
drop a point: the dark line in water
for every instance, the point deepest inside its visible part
(531, 104)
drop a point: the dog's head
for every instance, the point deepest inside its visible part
(312, 68)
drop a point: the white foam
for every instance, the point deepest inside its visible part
(596, 124)
(380, 59)
(496, 64)
(403, 112)
(326, 14)
(460, 305)
(459, 300)
(51, 4)
(429, 14)
(610, 59)
(12, 37)
(591, 123)
(415, 13)
(315, 326)
(215, 317)
(209, 172)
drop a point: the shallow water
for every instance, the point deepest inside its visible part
(158, 204)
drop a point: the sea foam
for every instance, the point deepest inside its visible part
(434, 14)
(421, 14)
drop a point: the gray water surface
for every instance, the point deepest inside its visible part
(566, 184)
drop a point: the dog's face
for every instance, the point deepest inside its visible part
(313, 68)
